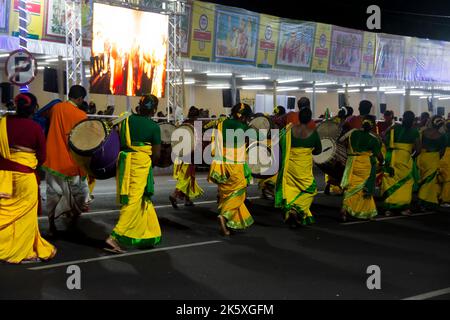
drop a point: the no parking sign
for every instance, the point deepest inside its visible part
(21, 67)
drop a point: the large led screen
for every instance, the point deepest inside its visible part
(129, 51)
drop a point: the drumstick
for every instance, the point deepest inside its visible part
(326, 149)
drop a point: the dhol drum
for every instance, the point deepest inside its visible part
(261, 160)
(333, 158)
(262, 122)
(165, 159)
(95, 147)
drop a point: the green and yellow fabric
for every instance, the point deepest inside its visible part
(296, 186)
(231, 174)
(358, 181)
(444, 173)
(400, 174)
(138, 223)
(428, 163)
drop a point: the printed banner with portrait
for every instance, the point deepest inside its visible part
(4, 16)
(267, 41)
(35, 18)
(322, 43)
(389, 61)
(295, 45)
(126, 58)
(368, 55)
(185, 31)
(346, 45)
(55, 20)
(236, 36)
(202, 31)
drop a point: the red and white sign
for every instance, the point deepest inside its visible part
(21, 67)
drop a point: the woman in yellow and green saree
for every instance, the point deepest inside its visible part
(400, 171)
(22, 150)
(140, 138)
(428, 161)
(296, 186)
(229, 170)
(444, 171)
(358, 181)
(187, 188)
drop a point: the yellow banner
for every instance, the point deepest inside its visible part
(368, 55)
(202, 32)
(267, 41)
(322, 45)
(35, 18)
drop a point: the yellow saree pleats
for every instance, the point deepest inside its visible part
(397, 186)
(357, 201)
(231, 179)
(184, 173)
(5, 176)
(20, 238)
(429, 188)
(444, 177)
(296, 186)
(138, 223)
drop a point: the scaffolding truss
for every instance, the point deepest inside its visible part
(74, 43)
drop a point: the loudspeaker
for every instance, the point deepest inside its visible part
(383, 107)
(228, 98)
(51, 80)
(291, 103)
(7, 92)
(441, 111)
(341, 100)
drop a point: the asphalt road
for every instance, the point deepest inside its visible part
(269, 261)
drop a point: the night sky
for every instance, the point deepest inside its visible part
(424, 19)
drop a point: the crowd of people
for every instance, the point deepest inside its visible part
(399, 159)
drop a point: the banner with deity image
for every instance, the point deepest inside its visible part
(236, 36)
(55, 20)
(295, 45)
(389, 63)
(267, 41)
(346, 45)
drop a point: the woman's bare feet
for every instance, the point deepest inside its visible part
(113, 246)
(223, 227)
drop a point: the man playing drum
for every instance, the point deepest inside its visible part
(140, 139)
(187, 187)
(67, 189)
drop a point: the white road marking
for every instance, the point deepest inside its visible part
(389, 218)
(429, 295)
(115, 256)
(156, 207)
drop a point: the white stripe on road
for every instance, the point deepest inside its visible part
(389, 218)
(429, 295)
(115, 256)
(156, 207)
